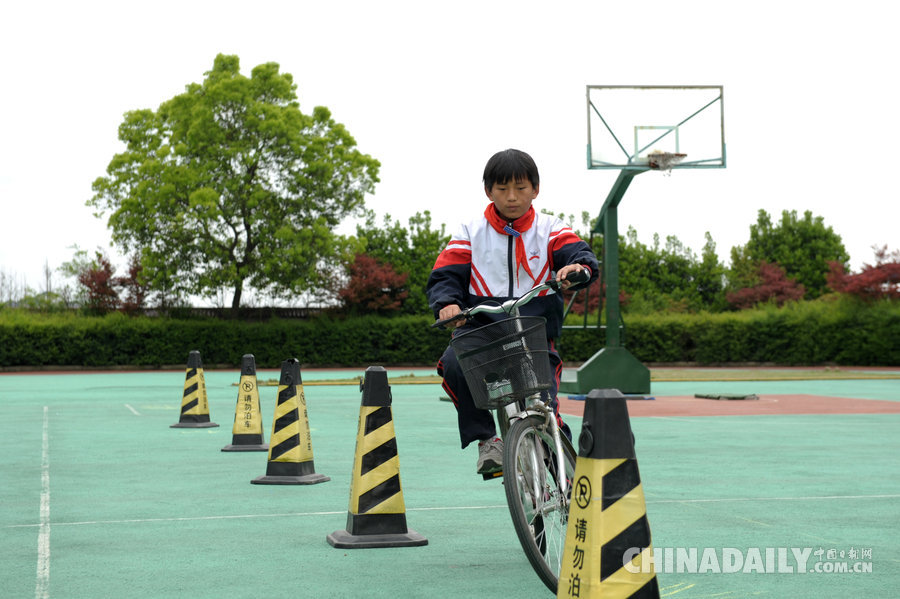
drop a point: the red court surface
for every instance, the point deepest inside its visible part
(671, 406)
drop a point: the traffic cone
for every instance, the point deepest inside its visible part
(247, 432)
(377, 514)
(608, 552)
(290, 448)
(194, 405)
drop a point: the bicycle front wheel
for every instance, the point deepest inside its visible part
(534, 492)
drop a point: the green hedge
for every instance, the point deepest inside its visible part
(116, 340)
(842, 332)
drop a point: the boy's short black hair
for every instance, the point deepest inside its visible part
(510, 165)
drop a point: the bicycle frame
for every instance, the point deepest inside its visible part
(536, 406)
(531, 479)
(533, 405)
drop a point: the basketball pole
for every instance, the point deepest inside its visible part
(615, 115)
(613, 367)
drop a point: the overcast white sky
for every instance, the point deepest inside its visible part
(433, 89)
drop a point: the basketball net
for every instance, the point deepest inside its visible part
(664, 161)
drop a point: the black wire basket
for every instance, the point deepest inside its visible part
(504, 361)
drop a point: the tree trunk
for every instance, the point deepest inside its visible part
(236, 300)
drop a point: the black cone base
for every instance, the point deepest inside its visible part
(290, 473)
(194, 425)
(306, 479)
(341, 539)
(247, 447)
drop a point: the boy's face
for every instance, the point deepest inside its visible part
(513, 198)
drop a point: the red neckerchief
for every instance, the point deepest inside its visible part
(515, 228)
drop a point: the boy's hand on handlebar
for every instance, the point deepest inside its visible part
(448, 312)
(566, 277)
(577, 272)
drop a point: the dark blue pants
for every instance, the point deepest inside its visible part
(476, 424)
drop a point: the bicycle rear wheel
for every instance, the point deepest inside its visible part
(537, 504)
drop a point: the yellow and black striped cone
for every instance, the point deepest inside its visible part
(194, 404)
(290, 446)
(247, 432)
(377, 514)
(608, 536)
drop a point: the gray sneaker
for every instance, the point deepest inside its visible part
(490, 456)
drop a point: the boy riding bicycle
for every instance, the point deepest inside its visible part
(500, 255)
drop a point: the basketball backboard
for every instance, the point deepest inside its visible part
(630, 125)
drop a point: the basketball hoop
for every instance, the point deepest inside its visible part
(664, 161)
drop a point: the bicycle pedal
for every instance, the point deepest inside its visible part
(492, 475)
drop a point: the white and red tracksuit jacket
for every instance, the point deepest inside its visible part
(491, 259)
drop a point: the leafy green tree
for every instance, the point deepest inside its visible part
(670, 277)
(229, 185)
(710, 277)
(803, 247)
(80, 262)
(657, 278)
(410, 250)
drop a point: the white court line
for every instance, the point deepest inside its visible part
(461, 507)
(810, 498)
(430, 509)
(133, 411)
(42, 587)
(241, 516)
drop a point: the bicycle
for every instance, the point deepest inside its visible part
(507, 369)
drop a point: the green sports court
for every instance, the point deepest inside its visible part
(101, 498)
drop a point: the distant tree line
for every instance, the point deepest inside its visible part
(388, 265)
(797, 258)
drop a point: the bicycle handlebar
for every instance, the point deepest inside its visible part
(509, 305)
